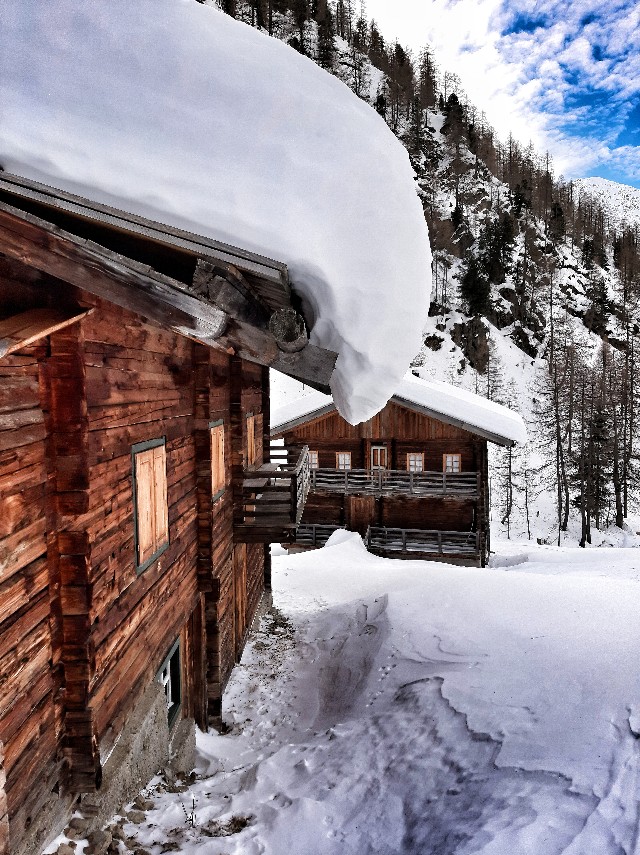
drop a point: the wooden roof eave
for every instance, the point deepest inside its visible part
(272, 273)
(278, 431)
(498, 439)
(143, 290)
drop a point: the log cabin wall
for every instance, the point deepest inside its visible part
(140, 388)
(247, 441)
(30, 722)
(82, 633)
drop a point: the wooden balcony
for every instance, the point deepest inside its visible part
(382, 482)
(273, 497)
(313, 536)
(418, 543)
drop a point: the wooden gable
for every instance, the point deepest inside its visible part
(395, 421)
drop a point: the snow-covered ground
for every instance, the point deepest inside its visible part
(408, 707)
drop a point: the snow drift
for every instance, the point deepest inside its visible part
(172, 110)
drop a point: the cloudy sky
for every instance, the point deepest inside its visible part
(562, 73)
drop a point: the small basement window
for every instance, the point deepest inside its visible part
(216, 433)
(452, 463)
(313, 459)
(343, 460)
(415, 462)
(151, 510)
(170, 678)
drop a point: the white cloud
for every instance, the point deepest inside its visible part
(542, 85)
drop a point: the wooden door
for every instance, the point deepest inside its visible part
(361, 512)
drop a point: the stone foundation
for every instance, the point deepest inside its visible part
(144, 748)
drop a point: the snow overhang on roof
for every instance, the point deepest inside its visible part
(175, 112)
(441, 401)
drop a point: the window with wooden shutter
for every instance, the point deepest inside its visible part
(216, 432)
(150, 501)
(415, 462)
(452, 462)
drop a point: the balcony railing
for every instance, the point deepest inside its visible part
(404, 541)
(386, 481)
(312, 535)
(274, 495)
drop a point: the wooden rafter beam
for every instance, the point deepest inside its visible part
(141, 289)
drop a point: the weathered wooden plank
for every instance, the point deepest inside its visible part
(21, 548)
(28, 327)
(4, 810)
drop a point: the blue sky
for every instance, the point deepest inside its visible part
(564, 74)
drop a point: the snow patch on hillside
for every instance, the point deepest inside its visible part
(172, 110)
(620, 201)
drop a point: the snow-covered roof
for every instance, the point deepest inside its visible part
(442, 401)
(171, 110)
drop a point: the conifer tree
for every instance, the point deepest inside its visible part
(474, 288)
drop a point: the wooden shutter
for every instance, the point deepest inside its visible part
(251, 440)
(160, 504)
(258, 437)
(152, 512)
(217, 459)
(145, 504)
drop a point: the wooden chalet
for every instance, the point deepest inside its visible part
(137, 492)
(413, 480)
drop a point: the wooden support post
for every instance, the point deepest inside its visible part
(440, 543)
(69, 554)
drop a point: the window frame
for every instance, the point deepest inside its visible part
(343, 468)
(314, 458)
(136, 449)
(415, 454)
(379, 448)
(454, 471)
(173, 711)
(222, 480)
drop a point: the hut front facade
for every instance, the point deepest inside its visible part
(413, 480)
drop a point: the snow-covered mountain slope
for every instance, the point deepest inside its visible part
(175, 111)
(620, 201)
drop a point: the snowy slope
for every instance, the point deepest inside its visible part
(403, 708)
(173, 110)
(621, 201)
